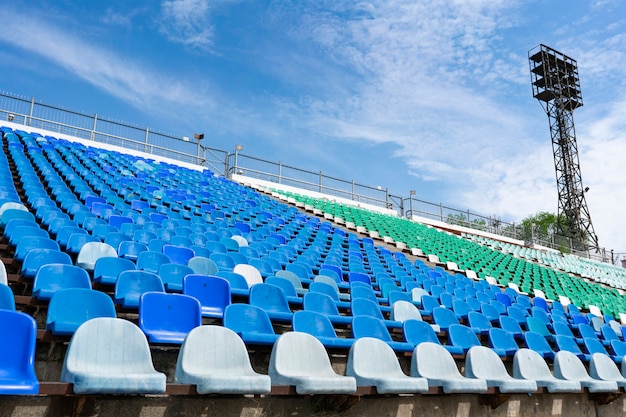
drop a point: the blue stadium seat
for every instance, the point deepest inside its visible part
(130, 249)
(71, 307)
(53, 277)
(300, 360)
(76, 241)
(251, 323)
(96, 362)
(17, 354)
(367, 326)
(178, 254)
(172, 276)
(273, 300)
(538, 343)
(107, 269)
(33, 242)
(462, 336)
(131, 284)
(373, 363)
(168, 318)
(287, 287)
(502, 342)
(22, 232)
(479, 323)
(444, 318)
(332, 292)
(7, 298)
(324, 304)
(320, 326)
(212, 292)
(215, 360)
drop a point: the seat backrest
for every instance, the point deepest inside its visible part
(354, 276)
(172, 275)
(368, 326)
(416, 332)
(95, 350)
(130, 249)
(431, 360)
(501, 339)
(586, 330)
(462, 336)
(250, 273)
(168, 318)
(602, 367)
(90, 252)
(372, 357)
(212, 292)
(444, 317)
(538, 343)
(490, 311)
(528, 364)
(107, 269)
(17, 353)
(52, 277)
(536, 325)
(541, 303)
(33, 242)
(247, 318)
(131, 284)
(320, 303)
(203, 266)
(479, 321)
(270, 298)
(313, 323)
(562, 329)
(482, 362)
(35, 258)
(568, 366)
(404, 310)
(7, 298)
(71, 307)
(151, 261)
(284, 284)
(178, 254)
(324, 288)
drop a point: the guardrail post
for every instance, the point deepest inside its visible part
(280, 171)
(93, 129)
(30, 115)
(321, 186)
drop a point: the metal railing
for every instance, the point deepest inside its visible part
(34, 113)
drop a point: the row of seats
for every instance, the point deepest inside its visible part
(215, 360)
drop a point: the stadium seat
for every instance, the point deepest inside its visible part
(202, 266)
(299, 359)
(35, 258)
(287, 287)
(7, 298)
(528, 364)
(178, 254)
(172, 276)
(131, 284)
(107, 269)
(368, 326)
(51, 278)
(604, 368)
(462, 337)
(212, 292)
(215, 360)
(130, 249)
(168, 318)
(17, 354)
(483, 363)
(91, 252)
(433, 362)
(21, 232)
(97, 363)
(273, 300)
(76, 241)
(568, 366)
(251, 323)
(373, 362)
(33, 242)
(444, 318)
(324, 304)
(71, 307)
(249, 272)
(539, 344)
(565, 343)
(320, 326)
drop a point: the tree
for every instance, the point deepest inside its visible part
(542, 226)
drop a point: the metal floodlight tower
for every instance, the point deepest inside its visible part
(555, 83)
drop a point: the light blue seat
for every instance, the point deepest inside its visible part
(168, 318)
(172, 276)
(35, 258)
(71, 307)
(433, 362)
(90, 252)
(320, 326)
(7, 298)
(483, 363)
(287, 287)
(251, 323)
(299, 359)
(528, 364)
(97, 363)
(373, 362)
(212, 292)
(238, 284)
(202, 266)
(17, 354)
(131, 284)
(215, 360)
(368, 326)
(273, 300)
(602, 367)
(107, 269)
(53, 277)
(569, 367)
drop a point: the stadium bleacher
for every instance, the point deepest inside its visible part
(124, 275)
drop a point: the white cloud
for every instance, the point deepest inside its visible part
(187, 22)
(120, 76)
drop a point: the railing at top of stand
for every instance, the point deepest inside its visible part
(32, 113)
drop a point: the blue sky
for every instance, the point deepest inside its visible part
(427, 95)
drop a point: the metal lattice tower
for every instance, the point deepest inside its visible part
(555, 83)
